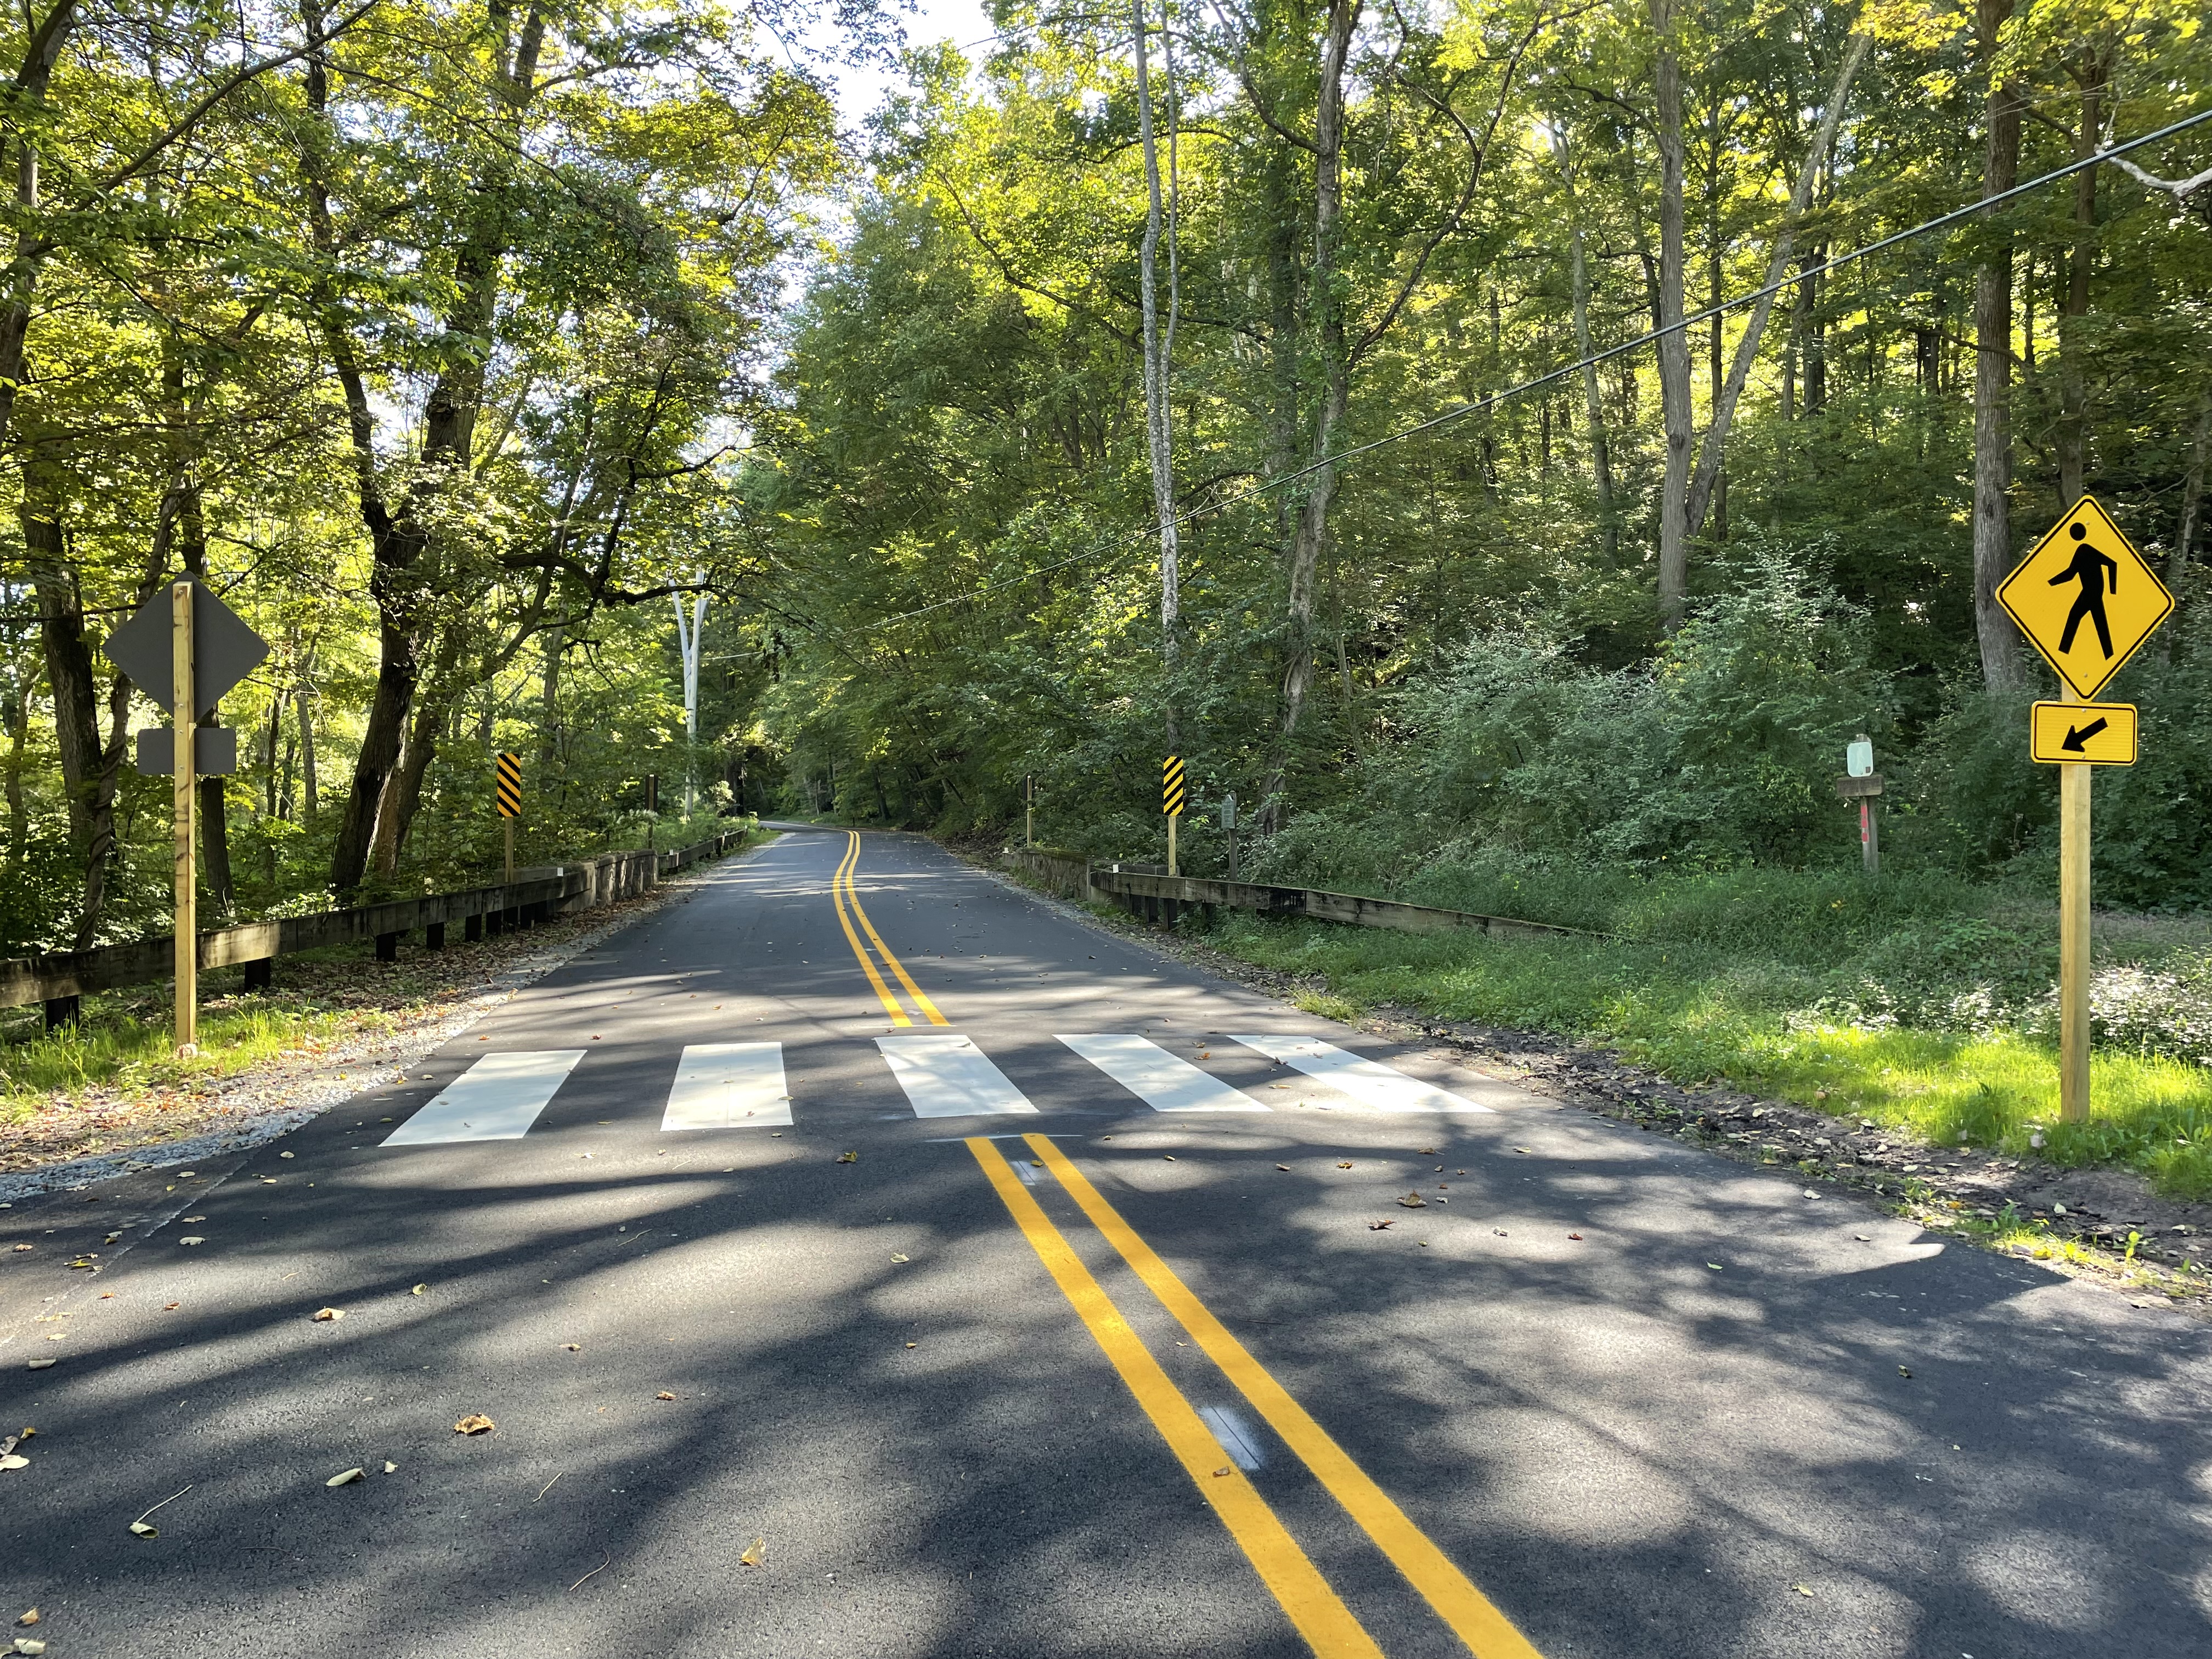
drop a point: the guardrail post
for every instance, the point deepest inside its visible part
(387, 947)
(63, 1011)
(473, 929)
(434, 936)
(260, 972)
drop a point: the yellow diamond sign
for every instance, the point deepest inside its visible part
(2085, 598)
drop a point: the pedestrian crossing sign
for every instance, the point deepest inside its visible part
(2086, 598)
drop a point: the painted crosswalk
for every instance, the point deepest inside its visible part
(729, 1085)
(498, 1098)
(948, 1076)
(1367, 1081)
(743, 1086)
(1164, 1082)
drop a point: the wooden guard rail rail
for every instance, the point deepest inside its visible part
(58, 980)
(1148, 890)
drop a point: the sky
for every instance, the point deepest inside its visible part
(963, 22)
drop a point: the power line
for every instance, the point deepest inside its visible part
(1989, 204)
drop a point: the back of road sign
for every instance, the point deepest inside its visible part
(225, 650)
(509, 786)
(2086, 598)
(2083, 733)
(1171, 787)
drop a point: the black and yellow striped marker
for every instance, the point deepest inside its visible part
(1171, 787)
(508, 789)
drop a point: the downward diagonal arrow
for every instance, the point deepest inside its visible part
(2076, 736)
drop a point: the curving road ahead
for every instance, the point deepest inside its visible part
(861, 1256)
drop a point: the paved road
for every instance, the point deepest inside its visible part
(1008, 1344)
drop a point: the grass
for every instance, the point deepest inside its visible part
(1705, 1009)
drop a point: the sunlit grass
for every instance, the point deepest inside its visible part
(1703, 1014)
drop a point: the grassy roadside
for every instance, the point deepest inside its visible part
(1696, 1011)
(113, 1076)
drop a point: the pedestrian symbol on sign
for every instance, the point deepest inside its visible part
(2093, 570)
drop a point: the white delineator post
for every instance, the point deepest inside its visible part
(687, 638)
(183, 718)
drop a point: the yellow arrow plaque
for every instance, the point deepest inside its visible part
(2086, 598)
(2083, 733)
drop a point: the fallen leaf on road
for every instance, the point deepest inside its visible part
(664, 1394)
(1576, 1236)
(752, 1558)
(1344, 1164)
(1218, 1474)
(194, 1239)
(913, 1345)
(1377, 1226)
(27, 1247)
(1284, 1167)
(288, 1154)
(326, 1315)
(1903, 1371)
(896, 1256)
(40, 1365)
(1520, 1149)
(1167, 1157)
(573, 1347)
(418, 1290)
(1415, 1201)
(344, 1480)
(390, 1468)
(1801, 1589)
(171, 1307)
(1714, 1266)
(848, 1157)
(14, 1460)
(474, 1422)
(27, 1645)
(1431, 1151)
(140, 1529)
(189, 1220)
(1863, 1238)
(29, 1618)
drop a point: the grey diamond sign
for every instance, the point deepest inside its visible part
(225, 650)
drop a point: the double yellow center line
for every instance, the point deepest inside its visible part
(1315, 1609)
(842, 893)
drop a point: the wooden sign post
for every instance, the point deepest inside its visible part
(2086, 600)
(185, 720)
(185, 649)
(1029, 811)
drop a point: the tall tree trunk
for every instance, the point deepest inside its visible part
(19, 734)
(311, 798)
(2001, 669)
(1676, 414)
(1310, 531)
(215, 839)
(1156, 435)
(1593, 406)
(1704, 485)
(403, 788)
(2072, 436)
(34, 75)
(2191, 521)
(399, 537)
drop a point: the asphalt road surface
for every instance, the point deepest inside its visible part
(861, 1256)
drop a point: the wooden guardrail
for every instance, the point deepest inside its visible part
(1148, 890)
(59, 979)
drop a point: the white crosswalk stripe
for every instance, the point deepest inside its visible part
(498, 1098)
(729, 1085)
(1367, 1081)
(1164, 1082)
(945, 1075)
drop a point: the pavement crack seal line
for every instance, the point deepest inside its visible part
(1487, 1632)
(1314, 1609)
(842, 892)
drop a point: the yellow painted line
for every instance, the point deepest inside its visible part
(837, 897)
(1488, 1633)
(1321, 1617)
(853, 894)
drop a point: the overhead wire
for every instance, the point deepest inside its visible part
(1986, 204)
